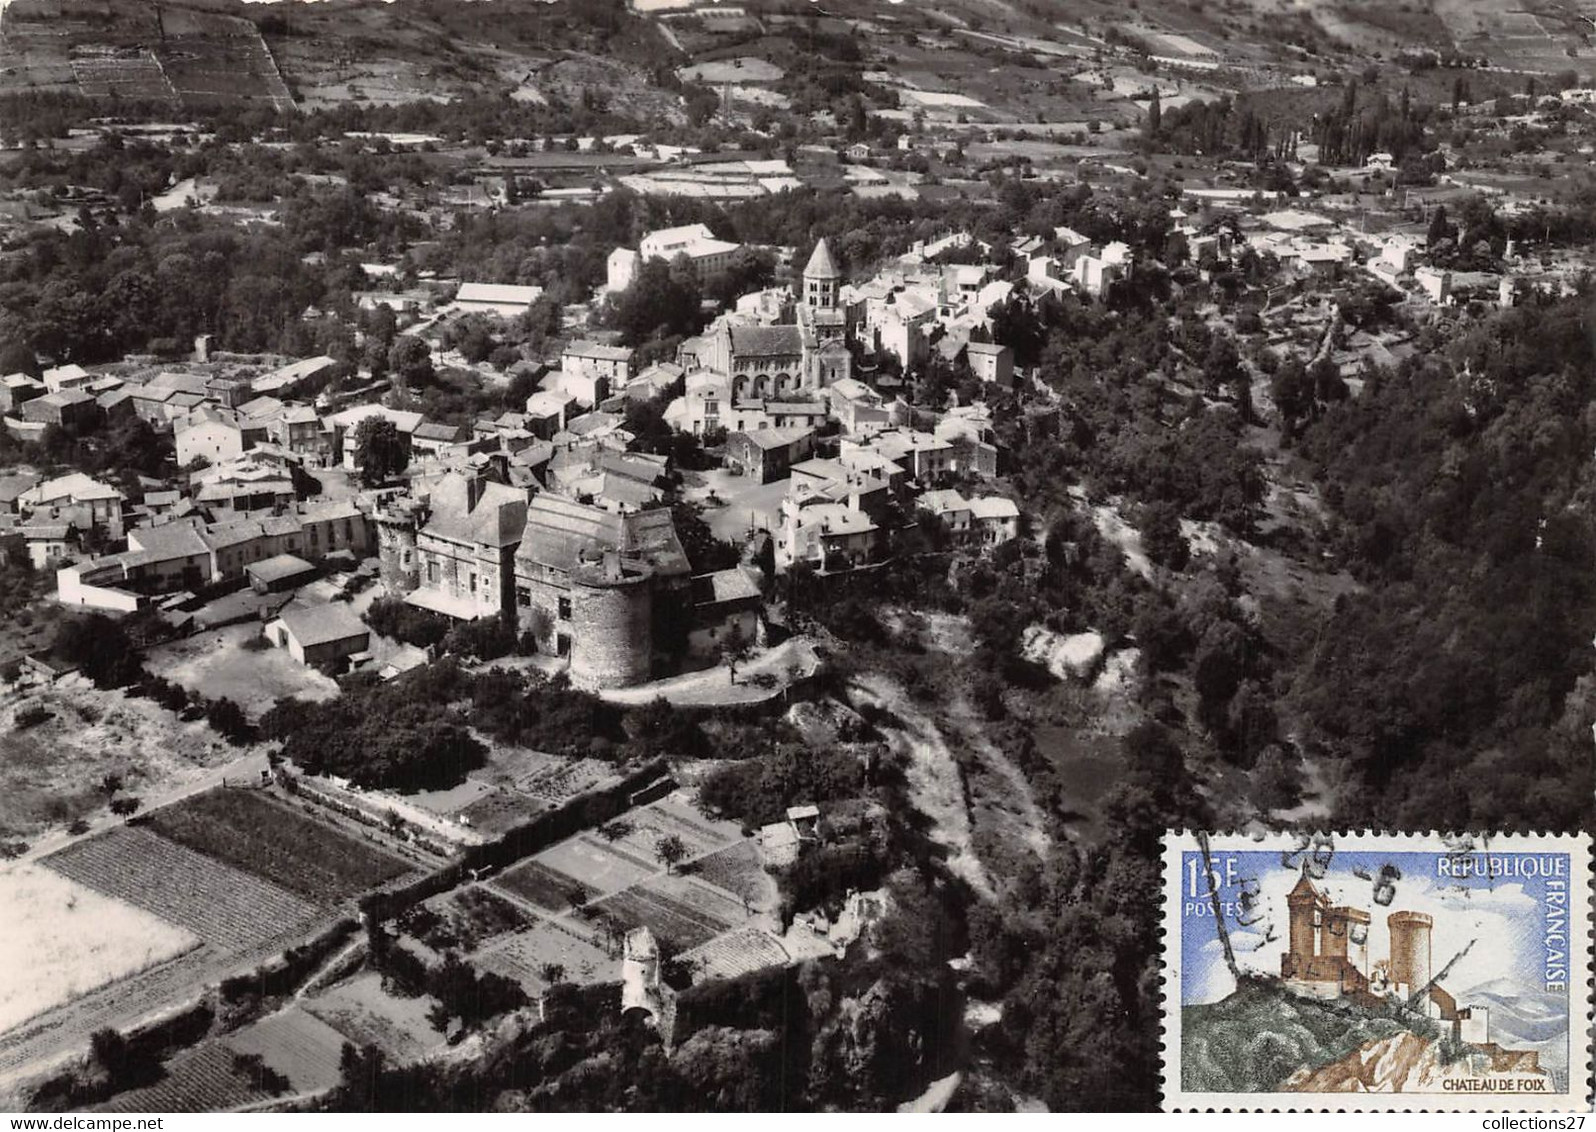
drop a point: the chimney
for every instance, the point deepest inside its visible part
(612, 565)
(474, 488)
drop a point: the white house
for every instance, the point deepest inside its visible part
(208, 436)
(991, 362)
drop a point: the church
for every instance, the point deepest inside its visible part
(787, 360)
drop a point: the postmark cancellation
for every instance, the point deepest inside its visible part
(1376, 971)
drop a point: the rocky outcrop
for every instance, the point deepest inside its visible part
(1407, 1063)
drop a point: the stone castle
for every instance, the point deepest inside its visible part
(1327, 958)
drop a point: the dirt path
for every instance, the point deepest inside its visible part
(1015, 805)
(936, 784)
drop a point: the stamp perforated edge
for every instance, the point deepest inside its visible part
(1577, 1097)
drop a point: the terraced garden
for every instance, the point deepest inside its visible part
(736, 953)
(263, 837)
(524, 955)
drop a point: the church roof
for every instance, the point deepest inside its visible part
(766, 341)
(821, 265)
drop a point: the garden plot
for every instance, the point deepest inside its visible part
(682, 918)
(596, 866)
(203, 1079)
(525, 956)
(296, 1044)
(741, 952)
(363, 1012)
(60, 939)
(256, 834)
(644, 829)
(463, 919)
(218, 904)
(553, 780)
(550, 890)
(739, 872)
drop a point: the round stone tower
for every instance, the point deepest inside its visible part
(612, 610)
(397, 522)
(1410, 951)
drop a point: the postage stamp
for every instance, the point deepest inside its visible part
(1377, 971)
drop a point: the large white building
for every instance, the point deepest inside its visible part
(708, 255)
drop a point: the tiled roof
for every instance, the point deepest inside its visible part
(559, 531)
(322, 625)
(766, 341)
(498, 518)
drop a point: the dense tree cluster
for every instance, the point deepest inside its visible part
(1462, 484)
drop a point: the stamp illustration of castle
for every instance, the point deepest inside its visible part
(1376, 971)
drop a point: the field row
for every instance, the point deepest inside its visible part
(257, 834)
(547, 888)
(675, 923)
(737, 953)
(199, 1080)
(228, 908)
(296, 1044)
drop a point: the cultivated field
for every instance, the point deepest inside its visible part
(680, 914)
(466, 918)
(739, 872)
(296, 1044)
(549, 889)
(215, 664)
(736, 953)
(240, 919)
(60, 939)
(596, 866)
(672, 818)
(221, 905)
(259, 835)
(198, 1080)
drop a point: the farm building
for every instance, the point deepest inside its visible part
(324, 635)
(279, 572)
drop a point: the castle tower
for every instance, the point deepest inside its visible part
(1303, 904)
(1410, 951)
(612, 610)
(821, 279)
(1344, 934)
(640, 973)
(397, 523)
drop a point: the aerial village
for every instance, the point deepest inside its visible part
(474, 664)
